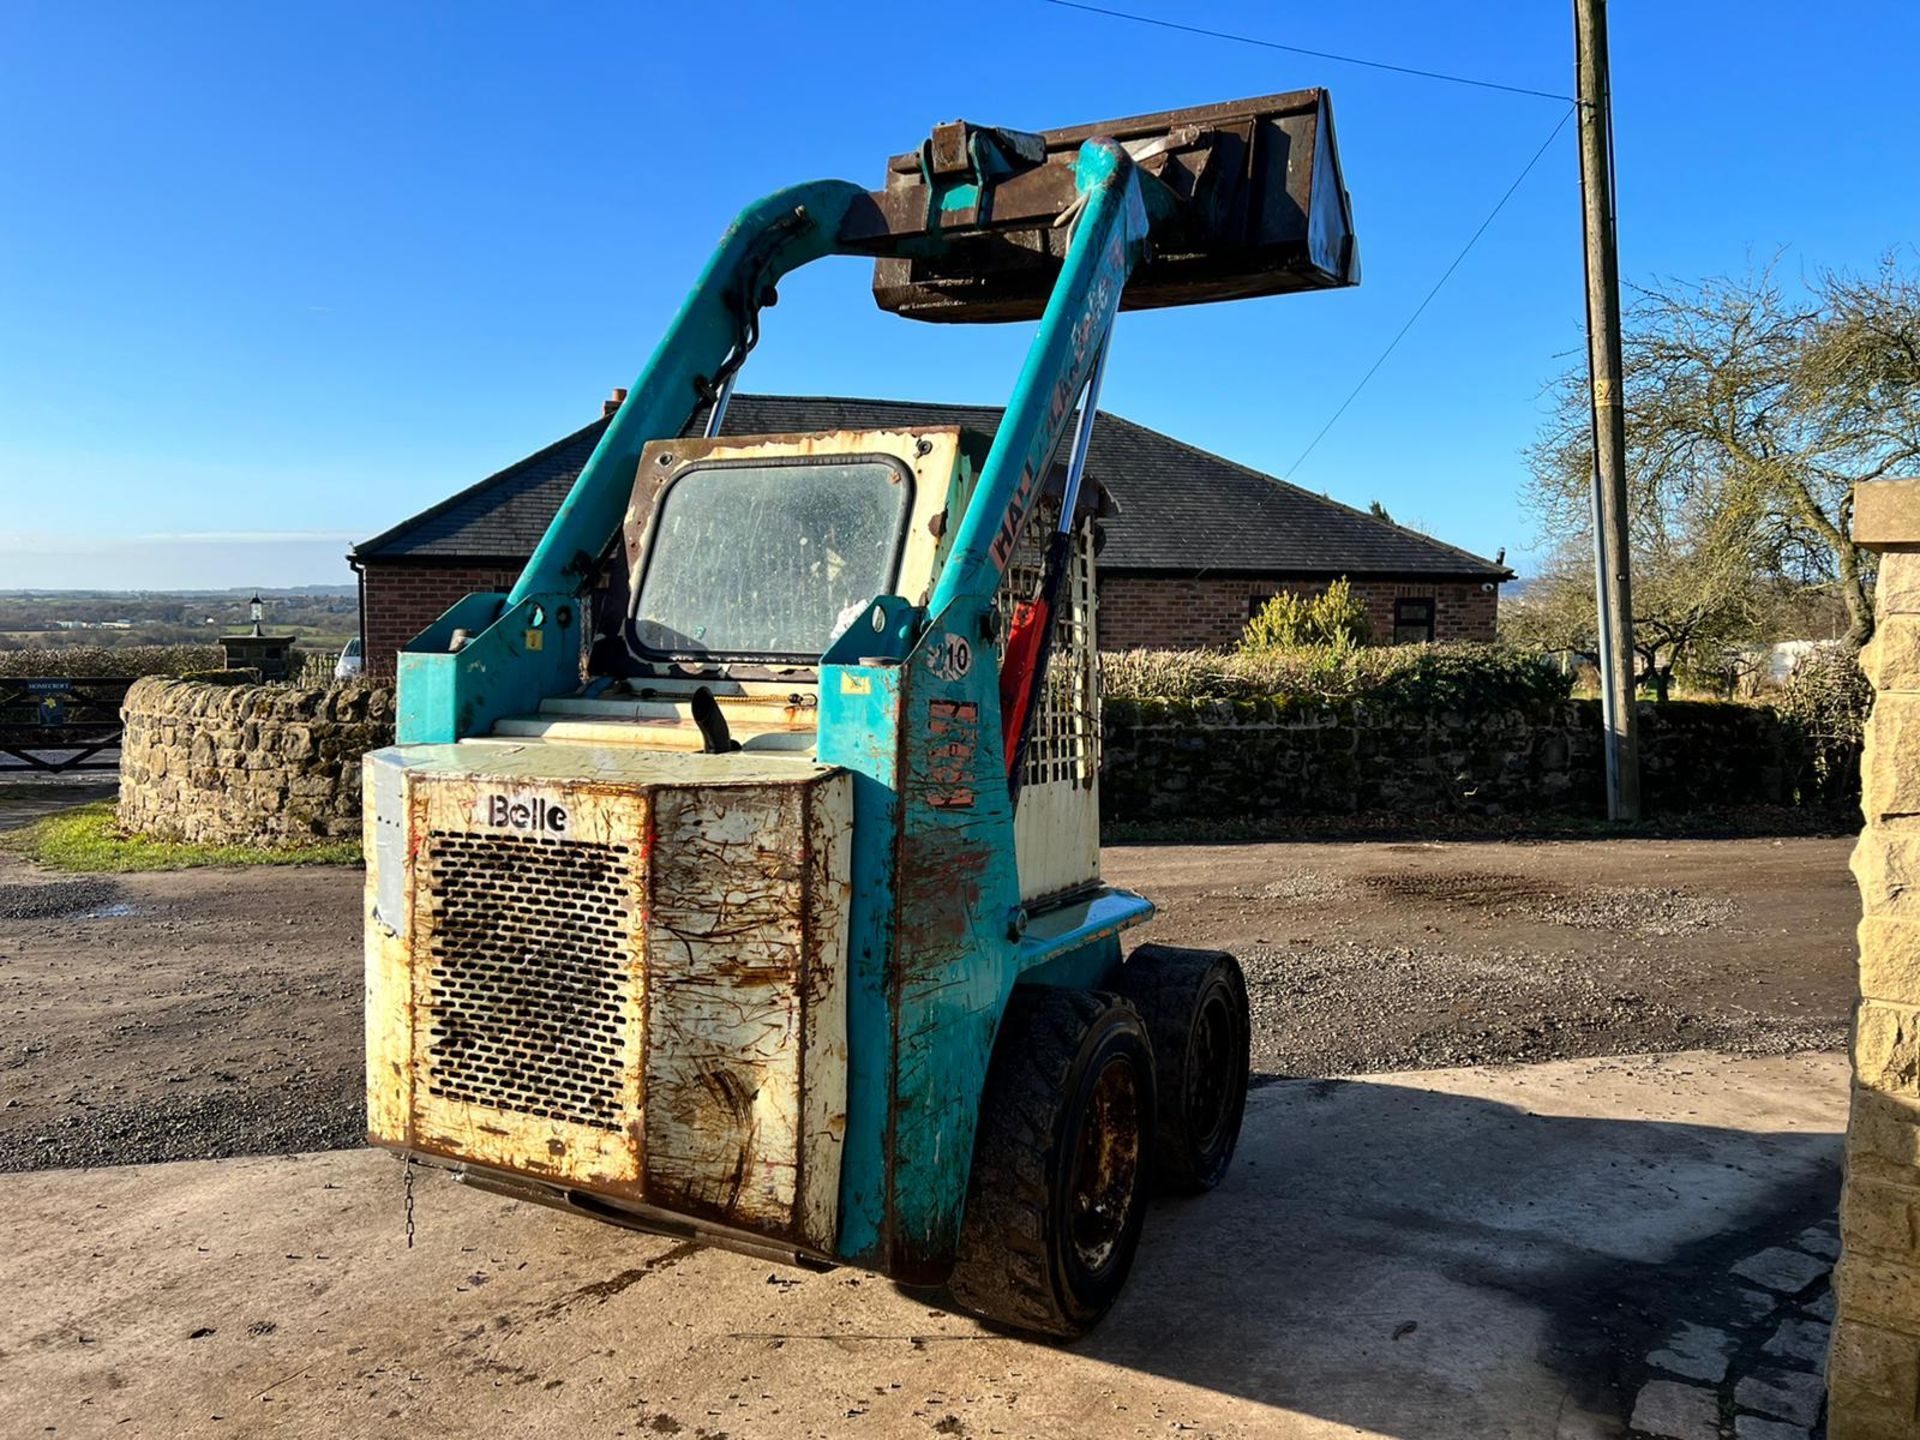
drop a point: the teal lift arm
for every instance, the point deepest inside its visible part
(524, 647)
(770, 239)
(1110, 237)
(1248, 192)
(935, 928)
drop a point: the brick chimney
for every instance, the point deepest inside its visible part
(613, 402)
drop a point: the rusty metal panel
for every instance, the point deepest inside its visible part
(389, 976)
(1247, 199)
(621, 972)
(746, 1029)
(528, 986)
(954, 957)
(826, 988)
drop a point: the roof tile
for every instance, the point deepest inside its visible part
(1180, 508)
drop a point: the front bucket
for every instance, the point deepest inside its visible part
(1249, 201)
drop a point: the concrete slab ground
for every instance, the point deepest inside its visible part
(1443, 1255)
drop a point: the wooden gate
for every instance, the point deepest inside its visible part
(54, 723)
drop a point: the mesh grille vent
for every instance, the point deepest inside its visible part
(529, 961)
(1064, 741)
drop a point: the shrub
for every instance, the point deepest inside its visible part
(1825, 701)
(1334, 617)
(87, 661)
(1406, 676)
(1468, 677)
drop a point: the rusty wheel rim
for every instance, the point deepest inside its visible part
(1103, 1185)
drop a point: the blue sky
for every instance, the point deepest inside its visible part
(274, 277)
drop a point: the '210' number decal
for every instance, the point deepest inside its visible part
(952, 658)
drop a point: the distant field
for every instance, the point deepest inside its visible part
(322, 617)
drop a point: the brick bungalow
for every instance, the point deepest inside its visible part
(1198, 543)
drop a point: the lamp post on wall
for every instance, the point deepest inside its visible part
(254, 649)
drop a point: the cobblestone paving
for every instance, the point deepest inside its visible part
(1749, 1362)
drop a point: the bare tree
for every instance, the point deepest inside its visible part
(1751, 414)
(1694, 600)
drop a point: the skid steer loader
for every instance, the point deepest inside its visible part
(736, 876)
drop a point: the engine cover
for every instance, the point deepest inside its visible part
(614, 970)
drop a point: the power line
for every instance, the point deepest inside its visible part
(1445, 275)
(1316, 54)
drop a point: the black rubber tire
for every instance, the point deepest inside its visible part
(1021, 1261)
(1194, 1003)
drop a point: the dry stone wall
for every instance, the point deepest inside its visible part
(248, 764)
(1259, 759)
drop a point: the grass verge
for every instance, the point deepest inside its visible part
(89, 838)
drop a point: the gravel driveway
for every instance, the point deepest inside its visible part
(213, 1013)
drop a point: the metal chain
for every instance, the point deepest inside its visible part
(409, 1191)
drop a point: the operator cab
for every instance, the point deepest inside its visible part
(742, 559)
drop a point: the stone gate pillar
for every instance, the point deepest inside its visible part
(1873, 1371)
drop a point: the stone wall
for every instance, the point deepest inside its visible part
(1160, 612)
(1873, 1368)
(1168, 760)
(248, 764)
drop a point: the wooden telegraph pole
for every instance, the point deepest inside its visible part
(1604, 367)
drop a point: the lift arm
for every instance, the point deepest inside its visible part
(520, 649)
(716, 325)
(1109, 238)
(1241, 199)
(703, 347)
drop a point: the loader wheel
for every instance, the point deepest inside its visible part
(1062, 1163)
(1194, 1003)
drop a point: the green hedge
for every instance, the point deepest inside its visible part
(116, 661)
(1399, 677)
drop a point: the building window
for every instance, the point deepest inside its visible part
(1412, 622)
(1256, 602)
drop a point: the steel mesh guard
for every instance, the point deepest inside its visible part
(1064, 742)
(529, 945)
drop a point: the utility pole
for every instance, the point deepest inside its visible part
(1611, 556)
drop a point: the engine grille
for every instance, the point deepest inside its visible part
(529, 949)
